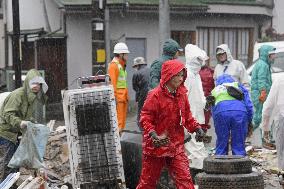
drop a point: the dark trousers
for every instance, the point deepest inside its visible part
(140, 106)
(7, 150)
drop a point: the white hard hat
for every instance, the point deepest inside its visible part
(120, 48)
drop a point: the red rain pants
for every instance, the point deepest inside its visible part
(178, 168)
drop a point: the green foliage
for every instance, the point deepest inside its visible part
(272, 35)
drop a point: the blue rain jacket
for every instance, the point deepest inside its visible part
(244, 106)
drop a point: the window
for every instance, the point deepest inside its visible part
(184, 37)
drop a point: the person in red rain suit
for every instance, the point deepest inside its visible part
(206, 75)
(164, 116)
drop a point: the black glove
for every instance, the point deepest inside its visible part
(199, 135)
(159, 141)
(210, 101)
(188, 138)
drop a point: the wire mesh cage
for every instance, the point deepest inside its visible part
(93, 138)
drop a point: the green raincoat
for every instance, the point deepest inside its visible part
(20, 105)
(170, 48)
(260, 80)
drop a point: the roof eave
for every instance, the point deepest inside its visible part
(271, 6)
(135, 8)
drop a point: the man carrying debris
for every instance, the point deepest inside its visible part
(22, 105)
(118, 76)
(165, 114)
(171, 51)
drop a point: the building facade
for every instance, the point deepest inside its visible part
(136, 22)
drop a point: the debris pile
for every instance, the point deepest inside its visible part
(56, 156)
(265, 161)
(56, 161)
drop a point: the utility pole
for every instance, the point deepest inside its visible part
(98, 36)
(107, 34)
(164, 22)
(16, 44)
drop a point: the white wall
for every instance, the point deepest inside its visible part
(32, 14)
(32, 17)
(79, 47)
(278, 15)
(137, 26)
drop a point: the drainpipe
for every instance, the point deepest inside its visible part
(45, 15)
(164, 22)
(16, 43)
(107, 34)
(35, 54)
(64, 21)
(6, 42)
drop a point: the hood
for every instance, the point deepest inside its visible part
(264, 52)
(194, 57)
(32, 77)
(225, 78)
(227, 50)
(169, 69)
(171, 47)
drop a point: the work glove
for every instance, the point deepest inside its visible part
(199, 135)
(24, 124)
(159, 141)
(262, 96)
(187, 139)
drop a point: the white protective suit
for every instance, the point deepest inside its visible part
(197, 101)
(232, 67)
(273, 110)
(195, 58)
